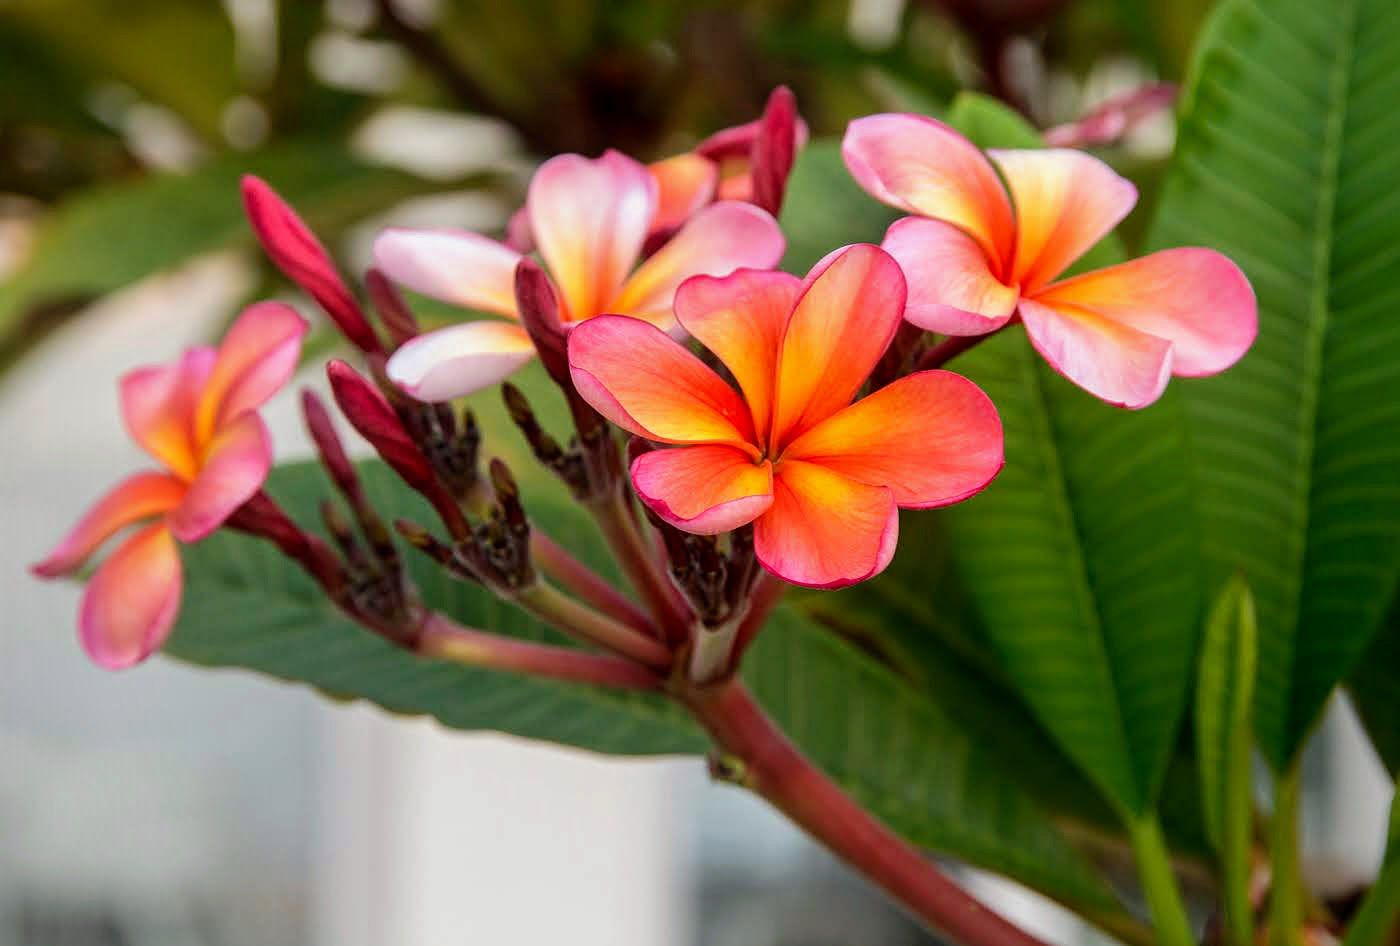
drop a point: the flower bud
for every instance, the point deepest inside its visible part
(774, 150)
(295, 250)
(370, 414)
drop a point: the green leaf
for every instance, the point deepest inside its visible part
(180, 55)
(1080, 558)
(1224, 695)
(247, 607)
(1286, 162)
(1224, 745)
(825, 208)
(106, 239)
(1374, 685)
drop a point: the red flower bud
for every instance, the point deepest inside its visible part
(774, 149)
(538, 303)
(370, 414)
(393, 311)
(328, 445)
(295, 250)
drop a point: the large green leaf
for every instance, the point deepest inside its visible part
(1079, 558)
(1286, 161)
(1374, 687)
(105, 239)
(879, 735)
(895, 751)
(180, 55)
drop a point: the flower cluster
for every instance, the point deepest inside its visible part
(771, 423)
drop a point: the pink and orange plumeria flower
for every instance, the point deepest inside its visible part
(589, 219)
(198, 417)
(978, 253)
(820, 478)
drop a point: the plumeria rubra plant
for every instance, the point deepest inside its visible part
(919, 580)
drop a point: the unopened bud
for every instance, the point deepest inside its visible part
(774, 150)
(292, 246)
(328, 445)
(393, 310)
(370, 414)
(538, 304)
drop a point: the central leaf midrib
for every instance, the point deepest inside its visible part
(1314, 342)
(1079, 571)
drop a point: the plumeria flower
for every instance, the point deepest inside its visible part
(978, 253)
(589, 219)
(197, 417)
(820, 478)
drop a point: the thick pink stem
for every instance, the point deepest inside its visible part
(442, 637)
(776, 770)
(557, 562)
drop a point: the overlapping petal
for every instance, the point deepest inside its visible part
(459, 359)
(589, 219)
(233, 468)
(135, 498)
(1195, 298)
(922, 166)
(718, 240)
(933, 438)
(456, 266)
(1065, 201)
(824, 529)
(645, 382)
(741, 319)
(255, 359)
(1111, 361)
(130, 604)
(843, 322)
(951, 287)
(158, 406)
(704, 489)
(684, 184)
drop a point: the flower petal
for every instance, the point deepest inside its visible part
(704, 489)
(256, 357)
(1195, 298)
(589, 219)
(135, 498)
(718, 240)
(932, 437)
(159, 403)
(1066, 201)
(951, 290)
(825, 530)
(922, 166)
(848, 313)
(1111, 361)
(456, 266)
(645, 382)
(131, 602)
(234, 467)
(741, 318)
(457, 360)
(684, 184)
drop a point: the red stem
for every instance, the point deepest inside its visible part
(948, 349)
(442, 637)
(776, 770)
(766, 594)
(557, 562)
(641, 565)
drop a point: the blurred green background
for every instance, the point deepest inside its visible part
(124, 123)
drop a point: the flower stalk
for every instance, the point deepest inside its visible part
(773, 768)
